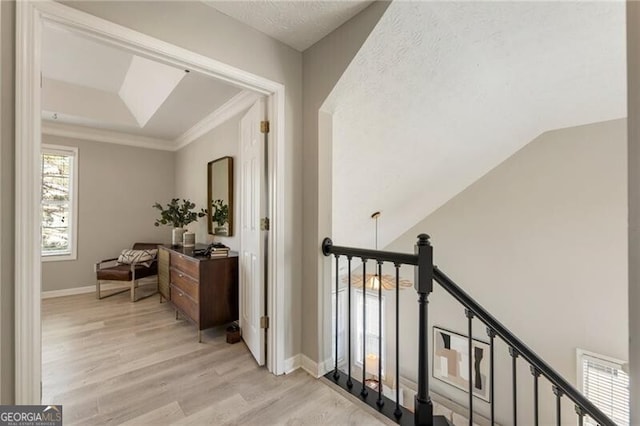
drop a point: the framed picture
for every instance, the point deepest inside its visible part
(451, 362)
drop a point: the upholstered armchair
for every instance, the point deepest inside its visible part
(135, 268)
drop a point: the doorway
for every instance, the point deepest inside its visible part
(30, 19)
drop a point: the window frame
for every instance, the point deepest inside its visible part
(605, 360)
(72, 254)
(357, 311)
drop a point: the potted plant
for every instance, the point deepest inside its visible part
(178, 215)
(220, 215)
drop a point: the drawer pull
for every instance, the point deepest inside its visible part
(181, 276)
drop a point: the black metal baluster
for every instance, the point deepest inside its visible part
(558, 393)
(364, 391)
(514, 356)
(397, 412)
(336, 374)
(380, 402)
(349, 382)
(469, 315)
(492, 335)
(580, 413)
(536, 374)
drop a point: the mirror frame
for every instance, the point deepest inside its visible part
(210, 227)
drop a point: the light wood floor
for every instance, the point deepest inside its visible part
(115, 362)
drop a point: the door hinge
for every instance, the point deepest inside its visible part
(264, 322)
(265, 224)
(264, 127)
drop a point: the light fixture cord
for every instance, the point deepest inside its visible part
(376, 232)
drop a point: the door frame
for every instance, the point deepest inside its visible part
(30, 17)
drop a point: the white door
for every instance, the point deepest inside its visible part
(253, 207)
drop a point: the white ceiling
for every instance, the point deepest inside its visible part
(91, 84)
(443, 92)
(297, 23)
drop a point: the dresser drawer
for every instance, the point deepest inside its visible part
(185, 283)
(186, 264)
(184, 303)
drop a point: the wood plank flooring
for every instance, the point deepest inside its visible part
(114, 362)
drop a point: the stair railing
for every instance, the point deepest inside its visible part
(425, 274)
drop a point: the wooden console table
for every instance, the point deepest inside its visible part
(203, 290)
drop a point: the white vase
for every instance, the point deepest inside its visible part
(176, 236)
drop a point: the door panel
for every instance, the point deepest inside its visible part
(252, 259)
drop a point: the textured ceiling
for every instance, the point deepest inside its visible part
(441, 93)
(92, 84)
(299, 23)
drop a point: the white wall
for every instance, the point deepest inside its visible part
(117, 187)
(191, 175)
(540, 242)
(323, 64)
(202, 29)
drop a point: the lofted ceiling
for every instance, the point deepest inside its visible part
(443, 92)
(91, 84)
(298, 23)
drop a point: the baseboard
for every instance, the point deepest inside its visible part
(68, 292)
(292, 364)
(87, 289)
(315, 369)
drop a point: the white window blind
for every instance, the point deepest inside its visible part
(58, 202)
(605, 384)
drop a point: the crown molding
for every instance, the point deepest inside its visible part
(109, 136)
(229, 109)
(233, 106)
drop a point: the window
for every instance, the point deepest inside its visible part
(342, 324)
(59, 202)
(372, 332)
(603, 381)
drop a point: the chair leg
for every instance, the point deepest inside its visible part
(98, 289)
(133, 290)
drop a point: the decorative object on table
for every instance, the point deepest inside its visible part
(233, 333)
(220, 215)
(216, 250)
(371, 362)
(189, 239)
(451, 362)
(373, 281)
(179, 215)
(220, 196)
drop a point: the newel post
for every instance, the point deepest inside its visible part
(424, 286)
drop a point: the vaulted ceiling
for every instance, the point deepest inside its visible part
(299, 23)
(442, 92)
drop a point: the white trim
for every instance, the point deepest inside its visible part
(317, 370)
(28, 366)
(229, 109)
(277, 268)
(233, 106)
(102, 135)
(89, 289)
(73, 254)
(2, 379)
(309, 365)
(292, 364)
(29, 17)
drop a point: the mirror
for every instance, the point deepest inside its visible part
(220, 196)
